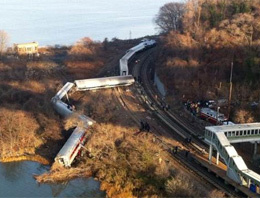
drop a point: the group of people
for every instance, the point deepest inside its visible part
(144, 126)
(193, 107)
(175, 150)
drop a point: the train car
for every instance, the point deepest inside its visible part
(66, 110)
(212, 116)
(149, 43)
(64, 90)
(71, 148)
(123, 63)
(141, 46)
(106, 82)
(62, 108)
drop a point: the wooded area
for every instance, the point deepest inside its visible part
(196, 55)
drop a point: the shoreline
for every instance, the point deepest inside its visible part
(34, 158)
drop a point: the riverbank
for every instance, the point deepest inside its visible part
(34, 158)
(127, 162)
(17, 181)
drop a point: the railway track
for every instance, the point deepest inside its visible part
(174, 125)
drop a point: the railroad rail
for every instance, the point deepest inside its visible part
(145, 93)
(197, 146)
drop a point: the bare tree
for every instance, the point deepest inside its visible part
(4, 39)
(169, 17)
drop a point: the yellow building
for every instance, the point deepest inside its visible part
(26, 48)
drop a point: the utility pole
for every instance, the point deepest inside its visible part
(130, 35)
(230, 89)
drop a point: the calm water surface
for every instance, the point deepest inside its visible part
(16, 180)
(65, 21)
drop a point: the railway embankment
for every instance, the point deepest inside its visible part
(127, 161)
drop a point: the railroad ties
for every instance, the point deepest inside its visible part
(71, 148)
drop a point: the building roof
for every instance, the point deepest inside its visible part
(236, 127)
(25, 44)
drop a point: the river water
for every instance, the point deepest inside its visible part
(16, 180)
(66, 21)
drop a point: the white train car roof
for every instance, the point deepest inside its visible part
(150, 42)
(236, 127)
(86, 121)
(61, 107)
(72, 141)
(95, 83)
(123, 64)
(138, 47)
(213, 113)
(64, 90)
(128, 55)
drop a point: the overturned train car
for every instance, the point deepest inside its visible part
(78, 137)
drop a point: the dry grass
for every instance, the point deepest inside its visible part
(60, 174)
(18, 133)
(193, 62)
(127, 164)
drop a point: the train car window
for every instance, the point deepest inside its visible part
(244, 132)
(233, 133)
(237, 133)
(241, 132)
(225, 134)
(257, 132)
(229, 133)
(248, 132)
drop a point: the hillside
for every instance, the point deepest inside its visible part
(197, 51)
(29, 125)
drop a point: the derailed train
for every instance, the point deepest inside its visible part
(131, 52)
(71, 148)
